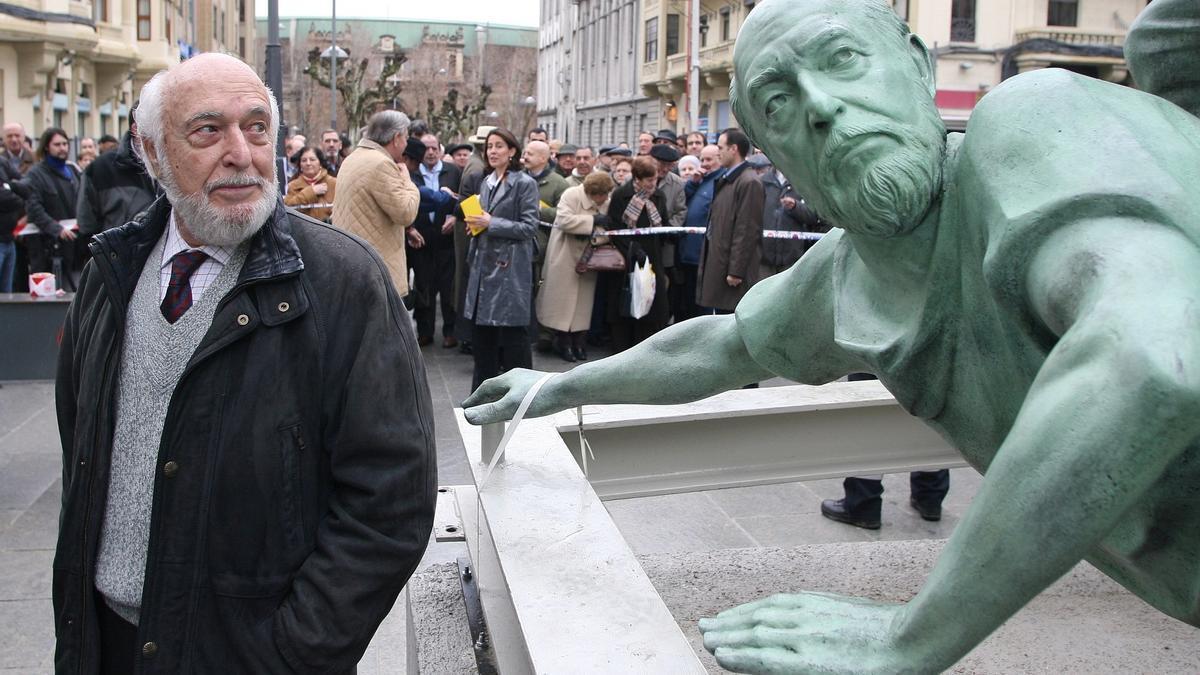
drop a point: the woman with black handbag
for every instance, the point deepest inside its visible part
(638, 204)
(499, 294)
(564, 304)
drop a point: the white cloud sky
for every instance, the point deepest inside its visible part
(506, 12)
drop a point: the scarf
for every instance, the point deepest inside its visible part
(60, 165)
(315, 179)
(640, 201)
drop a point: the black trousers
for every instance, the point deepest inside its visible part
(497, 349)
(433, 279)
(864, 496)
(118, 641)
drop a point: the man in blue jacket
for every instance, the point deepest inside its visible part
(699, 193)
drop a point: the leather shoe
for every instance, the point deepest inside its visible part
(449, 342)
(580, 353)
(424, 341)
(835, 509)
(930, 513)
(564, 353)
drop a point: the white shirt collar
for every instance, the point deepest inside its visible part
(426, 171)
(175, 244)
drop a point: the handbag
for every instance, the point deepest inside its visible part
(602, 258)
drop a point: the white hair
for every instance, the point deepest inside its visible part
(689, 160)
(149, 119)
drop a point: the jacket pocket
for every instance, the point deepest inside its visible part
(292, 448)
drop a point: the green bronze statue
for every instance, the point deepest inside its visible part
(1030, 289)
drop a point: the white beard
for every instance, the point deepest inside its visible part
(215, 225)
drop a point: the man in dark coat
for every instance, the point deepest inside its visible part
(232, 378)
(732, 244)
(53, 190)
(785, 210)
(114, 188)
(433, 263)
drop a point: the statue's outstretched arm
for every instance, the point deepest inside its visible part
(1117, 399)
(686, 362)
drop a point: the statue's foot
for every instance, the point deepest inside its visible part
(808, 632)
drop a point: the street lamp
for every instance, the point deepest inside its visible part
(333, 54)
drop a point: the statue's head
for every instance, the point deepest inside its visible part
(839, 94)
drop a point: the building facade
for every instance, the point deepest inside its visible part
(79, 64)
(588, 79)
(437, 57)
(976, 45)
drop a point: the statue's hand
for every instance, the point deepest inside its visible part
(808, 633)
(497, 399)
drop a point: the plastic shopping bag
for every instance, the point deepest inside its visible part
(641, 287)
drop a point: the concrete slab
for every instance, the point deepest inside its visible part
(1085, 623)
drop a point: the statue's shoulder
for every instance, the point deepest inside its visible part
(1054, 116)
(1050, 148)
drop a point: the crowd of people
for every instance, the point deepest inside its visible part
(509, 275)
(51, 206)
(499, 231)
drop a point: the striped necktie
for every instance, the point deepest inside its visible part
(179, 290)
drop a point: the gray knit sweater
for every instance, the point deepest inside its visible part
(153, 358)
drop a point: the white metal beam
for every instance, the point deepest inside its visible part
(753, 437)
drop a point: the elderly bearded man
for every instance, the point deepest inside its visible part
(249, 472)
(1013, 291)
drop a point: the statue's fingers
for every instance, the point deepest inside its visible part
(491, 390)
(759, 660)
(778, 600)
(758, 636)
(488, 413)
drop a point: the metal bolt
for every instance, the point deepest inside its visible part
(467, 573)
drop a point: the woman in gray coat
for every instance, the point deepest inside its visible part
(500, 259)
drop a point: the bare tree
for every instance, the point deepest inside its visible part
(454, 120)
(366, 81)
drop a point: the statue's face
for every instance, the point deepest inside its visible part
(843, 106)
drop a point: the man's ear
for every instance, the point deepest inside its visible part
(150, 153)
(923, 60)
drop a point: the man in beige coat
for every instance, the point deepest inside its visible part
(376, 199)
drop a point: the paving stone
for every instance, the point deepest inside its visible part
(28, 644)
(35, 527)
(671, 523)
(25, 575)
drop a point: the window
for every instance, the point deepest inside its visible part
(214, 23)
(901, 8)
(143, 19)
(242, 11)
(1063, 13)
(167, 19)
(651, 40)
(100, 10)
(703, 31)
(725, 24)
(962, 21)
(672, 34)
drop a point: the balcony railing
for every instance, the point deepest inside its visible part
(1072, 36)
(720, 55)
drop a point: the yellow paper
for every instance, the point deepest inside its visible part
(471, 207)
(543, 205)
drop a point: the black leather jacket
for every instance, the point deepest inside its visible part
(296, 477)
